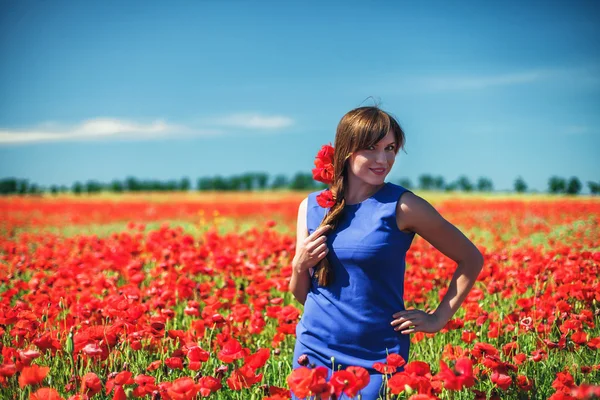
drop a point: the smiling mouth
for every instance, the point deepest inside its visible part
(378, 170)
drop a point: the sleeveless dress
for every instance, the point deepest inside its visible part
(350, 319)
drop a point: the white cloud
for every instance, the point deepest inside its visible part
(253, 121)
(98, 128)
(114, 129)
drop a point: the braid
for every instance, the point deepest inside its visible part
(324, 270)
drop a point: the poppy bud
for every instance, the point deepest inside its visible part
(303, 360)
(220, 371)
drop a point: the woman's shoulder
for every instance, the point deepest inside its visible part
(395, 193)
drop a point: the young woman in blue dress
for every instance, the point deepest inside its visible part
(348, 270)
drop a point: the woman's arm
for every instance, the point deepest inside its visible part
(415, 214)
(300, 281)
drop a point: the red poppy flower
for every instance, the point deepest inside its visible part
(384, 368)
(91, 384)
(299, 380)
(174, 363)
(232, 350)
(243, 378)
(524, 383)
(208, 385)
(196, 356)
(395, 360)
(344, 381)
(362, 376)
(303, 381)
(564, 382)
(323, 171)
(398, 382)
(32, 375)
(461, 377)
(258, 359)
(8, 370)
(501, 379)
(183, 389)
(154, 365)
(146, 385)
(325, 199)
(45, 394)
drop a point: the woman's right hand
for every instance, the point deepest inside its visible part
(312, 250)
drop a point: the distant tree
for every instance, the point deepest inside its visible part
(170, 186)
(205, 183)
(247, 181)
(54, 189)
(34, 189)
(464, 183)
(438, 182)
(92, 187)
(520, 185)
(220, 183)
(574, 185)
(426, 182)
(405, 183)
(557, 185)
(184, 184)
(151, 185)
(261, 180)
(22, 186)
(132, 184)
(451, 187)
(594, 187)
(116, 186)
(279, 182)
(8, 186)
(235, 182)
(77, 188)
(484, 184)
(302, 181)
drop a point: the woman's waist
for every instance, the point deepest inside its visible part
(361, 347)
(345, 324)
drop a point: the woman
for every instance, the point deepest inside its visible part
(348, 270)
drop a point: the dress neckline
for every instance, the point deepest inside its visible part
(368, 198)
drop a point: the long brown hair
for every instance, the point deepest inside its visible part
(357, 130)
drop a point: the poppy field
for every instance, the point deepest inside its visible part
(184, 297)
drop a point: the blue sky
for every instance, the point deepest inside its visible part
(156, 89)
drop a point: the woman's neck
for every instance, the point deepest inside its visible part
(357, 190)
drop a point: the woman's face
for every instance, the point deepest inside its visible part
(373, 164)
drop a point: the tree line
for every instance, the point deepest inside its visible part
(253, 181)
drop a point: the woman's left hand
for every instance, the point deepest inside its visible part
(410, 321)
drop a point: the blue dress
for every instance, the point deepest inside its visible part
(350, 319)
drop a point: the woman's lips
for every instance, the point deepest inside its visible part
(378, 171)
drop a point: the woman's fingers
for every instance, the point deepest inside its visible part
(405, 313)
(405, 325)
(318, 250)
(312, 245)
(409, 317)
(316, 233)
(323, 254)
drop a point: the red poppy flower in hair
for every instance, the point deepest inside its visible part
(323, 172)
